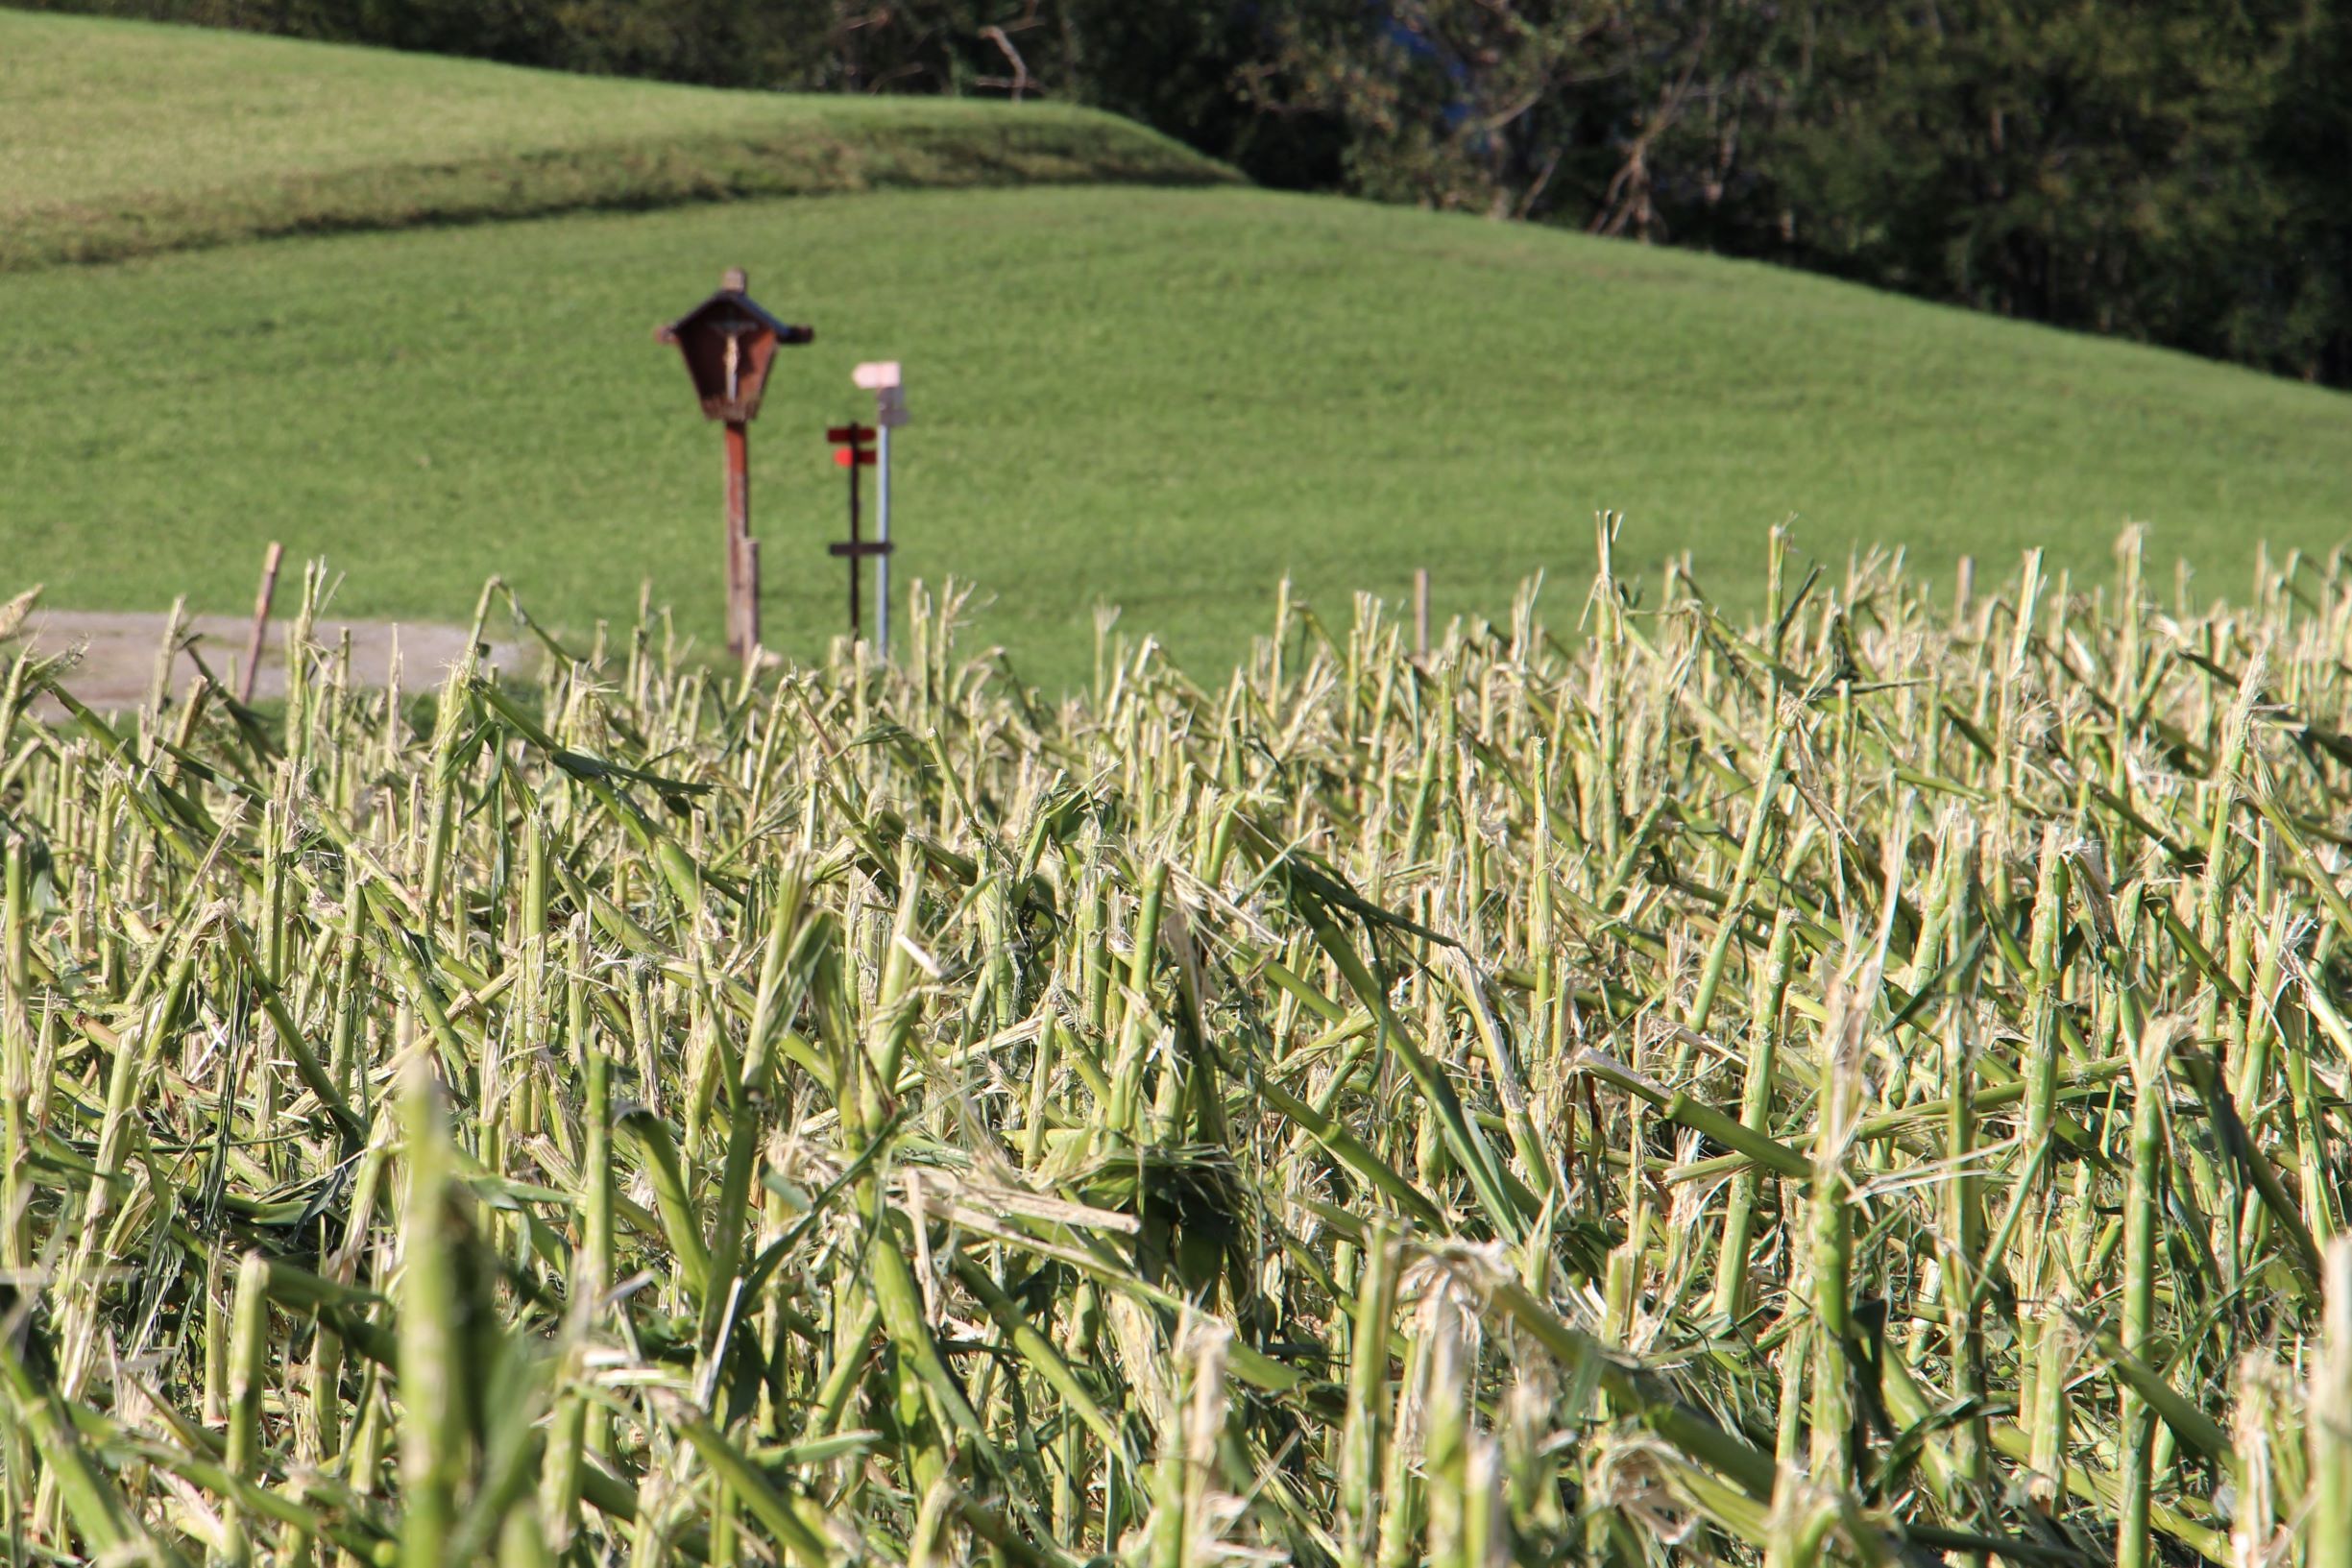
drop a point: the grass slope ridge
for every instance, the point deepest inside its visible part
(121, 139)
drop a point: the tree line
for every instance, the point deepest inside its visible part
(2174, 171)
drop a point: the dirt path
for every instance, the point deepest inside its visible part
(119, 649)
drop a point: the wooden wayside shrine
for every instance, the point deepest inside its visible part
(728, 343)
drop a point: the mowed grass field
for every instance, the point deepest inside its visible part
(1162, 397)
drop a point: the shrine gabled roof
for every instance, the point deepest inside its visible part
(735, 300)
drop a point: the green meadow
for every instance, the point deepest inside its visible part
(1158, 396)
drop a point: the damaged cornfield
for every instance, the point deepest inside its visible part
(1863, 1085)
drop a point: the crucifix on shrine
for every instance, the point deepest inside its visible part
(728, 343)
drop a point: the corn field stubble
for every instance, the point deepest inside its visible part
(1865, 1086)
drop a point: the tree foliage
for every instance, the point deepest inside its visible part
(2178, 171)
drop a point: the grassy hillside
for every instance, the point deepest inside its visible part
(118, 139)
(1162, 397)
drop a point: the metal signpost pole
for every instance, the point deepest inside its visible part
(883, 379)
(857, 541)
(881, 536)
(851, 453)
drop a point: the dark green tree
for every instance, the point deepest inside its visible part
(2091, 165)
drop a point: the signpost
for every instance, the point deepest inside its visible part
(850, 451)
(728, 343)
(883, 379)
